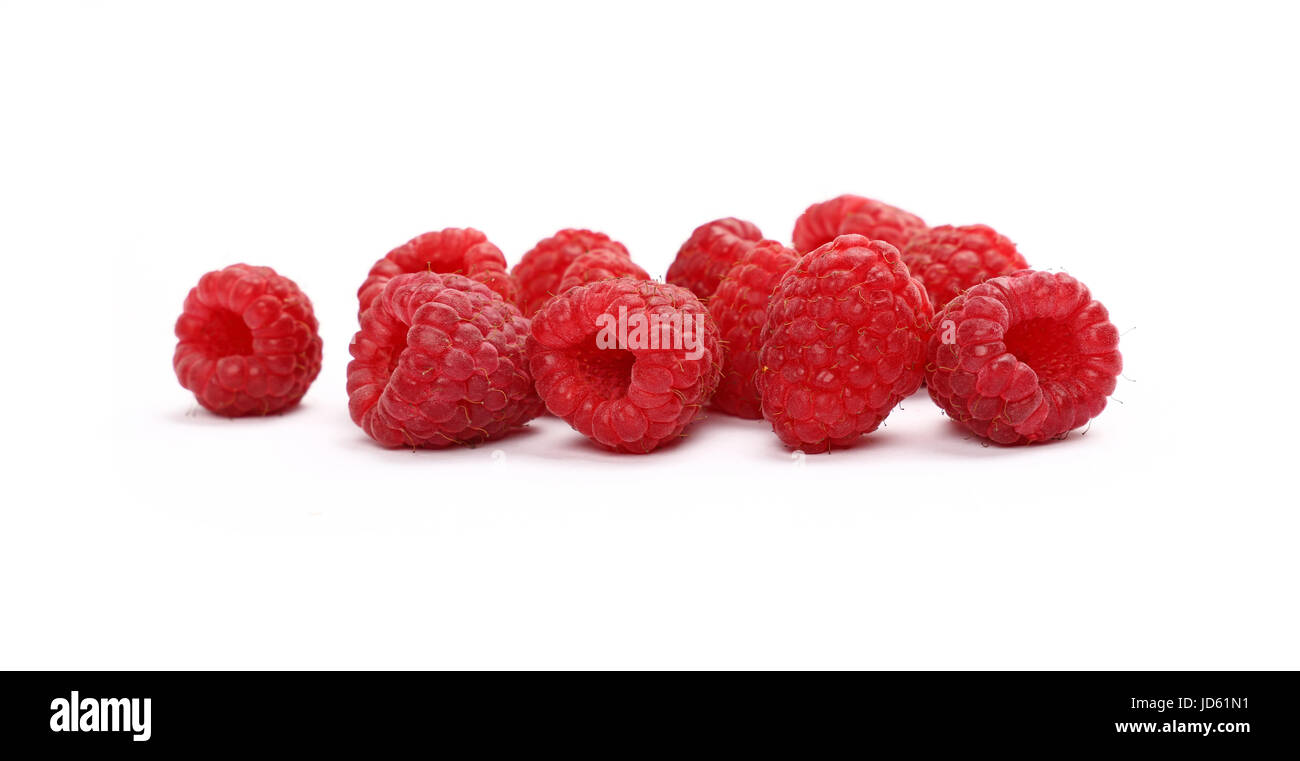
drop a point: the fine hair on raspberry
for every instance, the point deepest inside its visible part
(1023, 358)
(440, 361)
(843, 344)
(739, 307)
(248, 342)
(850, 214)
(458, 251)
(628, 363)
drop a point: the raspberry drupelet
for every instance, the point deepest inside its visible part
(539, 272)
(843, 344)
(849, 214)
(460, 251)
(628, 363)
(248, 342)
(1023, 358)
(710, 252)
(948, 260)
(440, 361)
(739, 307)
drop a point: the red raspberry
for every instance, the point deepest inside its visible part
(948, 260)
(461, 251)
(628, 363)
(739, 307)
(439, 360)
(248, 342)
(600, 264)
(842, 215)
(843, 344)
(1024, 357)
(710, 251)
(542, 268)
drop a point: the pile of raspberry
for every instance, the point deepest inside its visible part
(822, 338)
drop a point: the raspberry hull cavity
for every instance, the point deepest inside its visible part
(439, 361)
(1023, 358)
(248, 342)
(628, 363)
(709, 253)
(739, 307)
(848, 214)
(461, 251)
(843, 344)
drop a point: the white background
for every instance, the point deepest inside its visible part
(1148, 149)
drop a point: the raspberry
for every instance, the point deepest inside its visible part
(710, 251)
(462, 251)
(628, 363)
(439, 360)
(739, 307)
(844, 343)
(248, 342)
(842, 215)
(1023, 357)
(599, 264)
(542, 268)
(948, 260)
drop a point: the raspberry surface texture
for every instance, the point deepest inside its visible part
(460, 251)
(1023, 358)
(843, 344)
(440, 361)
(248, 342)
(540, 270)
(600, 264)
(849, 214)
(710, 252)
(628, 363)
(739, 307)
(948, 260)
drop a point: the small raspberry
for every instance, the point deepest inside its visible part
(248, 342)
(844, 343)
(948, 260)
(439, 360)
(710, 251)
(600, 264)
(461, 251)
(542, 268)
(1023, 357)
(842, 215)
(739, 307)
(628, 363)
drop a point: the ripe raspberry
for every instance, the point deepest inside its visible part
(248, 342)
(542, 268)
(461, 251)
(842, 215)
(1023, 358)
(628, 363)
(600, 264)
(710, 251)
(439, 360)
(948, 260)
(739, 307)
(844, 342)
